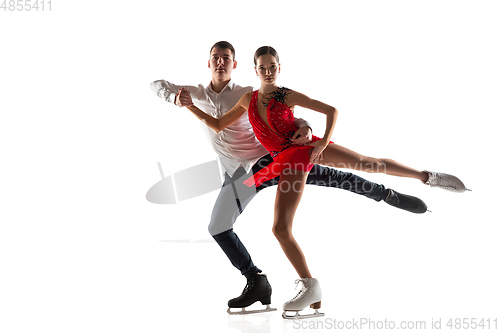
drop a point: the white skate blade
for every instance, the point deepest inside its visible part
(304, 316)
(245, 311)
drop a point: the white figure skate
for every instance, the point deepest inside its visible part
(309, 295)
(445, 181)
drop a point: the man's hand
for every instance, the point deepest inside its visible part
(303, 136)
(183, 98)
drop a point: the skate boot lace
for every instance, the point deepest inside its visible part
(249, 286)
(302, 292)
(445, 181)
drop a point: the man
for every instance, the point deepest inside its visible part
(241, 153)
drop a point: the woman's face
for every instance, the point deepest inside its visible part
(267, 69)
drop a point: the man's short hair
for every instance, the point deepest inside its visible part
(224, 45)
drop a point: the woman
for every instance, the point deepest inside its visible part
(270, 111)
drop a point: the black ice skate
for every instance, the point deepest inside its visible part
(406, 202)
(257, 289)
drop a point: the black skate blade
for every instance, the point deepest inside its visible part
(244, 311)
(304, 316)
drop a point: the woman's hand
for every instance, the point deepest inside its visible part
(183, 98)
(317, 153)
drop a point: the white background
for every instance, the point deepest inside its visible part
(81, 250)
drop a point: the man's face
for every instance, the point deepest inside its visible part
(221, 63)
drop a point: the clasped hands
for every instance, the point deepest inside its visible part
(183, 98)
(303, 137)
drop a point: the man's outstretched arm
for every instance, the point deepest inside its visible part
(167, 91)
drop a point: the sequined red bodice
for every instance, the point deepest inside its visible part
(275, 137)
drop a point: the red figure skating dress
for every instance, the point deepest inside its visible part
(276, 138)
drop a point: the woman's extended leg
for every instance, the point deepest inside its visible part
(341, 157)
(288, 196)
